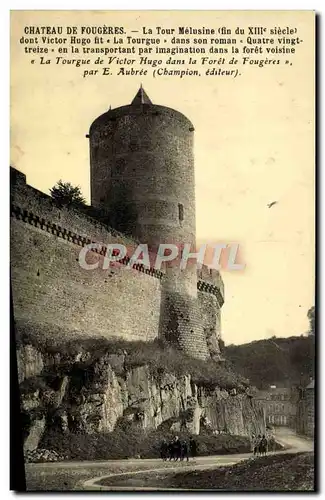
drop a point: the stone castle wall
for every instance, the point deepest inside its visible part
(306, 413)
(54, 295)
(53, 292)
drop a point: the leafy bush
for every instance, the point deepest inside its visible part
(129, 442)
(32, 384)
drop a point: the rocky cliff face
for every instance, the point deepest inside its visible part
(93, 397)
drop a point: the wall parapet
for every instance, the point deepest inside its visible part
(28, 204)
(27, 197)
(61, 232)
(72, 237)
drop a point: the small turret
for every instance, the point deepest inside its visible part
(141, 97)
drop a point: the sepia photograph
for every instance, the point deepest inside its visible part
(162, 250)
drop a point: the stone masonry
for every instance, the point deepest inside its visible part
(142, 177)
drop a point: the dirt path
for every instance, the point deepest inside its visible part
(153, 479)
(289, 438)
(65, 476)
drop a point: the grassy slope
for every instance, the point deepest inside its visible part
(292, 472)
(289, 472)
(280, 361)
(285, 472)
(158, 357)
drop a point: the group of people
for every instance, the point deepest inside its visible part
(178, 449)
(259, 445)
(181, 449)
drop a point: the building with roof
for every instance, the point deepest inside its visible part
(280, 405)
(306, 409)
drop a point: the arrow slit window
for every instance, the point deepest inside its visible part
(180, 212)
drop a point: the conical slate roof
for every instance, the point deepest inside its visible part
(141, 97)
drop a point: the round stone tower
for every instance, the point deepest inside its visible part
(142, 174)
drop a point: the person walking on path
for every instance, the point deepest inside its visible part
(184, 450)
(177, 448)
(164, 450)
(171, 450)
(263, 446)
(192, 447)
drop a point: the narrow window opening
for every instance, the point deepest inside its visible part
(180, 212)
(95, 152)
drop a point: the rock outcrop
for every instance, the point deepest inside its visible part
(93, 397)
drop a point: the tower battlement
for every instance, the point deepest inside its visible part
(211, 280)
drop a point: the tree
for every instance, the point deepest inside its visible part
(65, 193)
(280, 362)
(311, 317)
